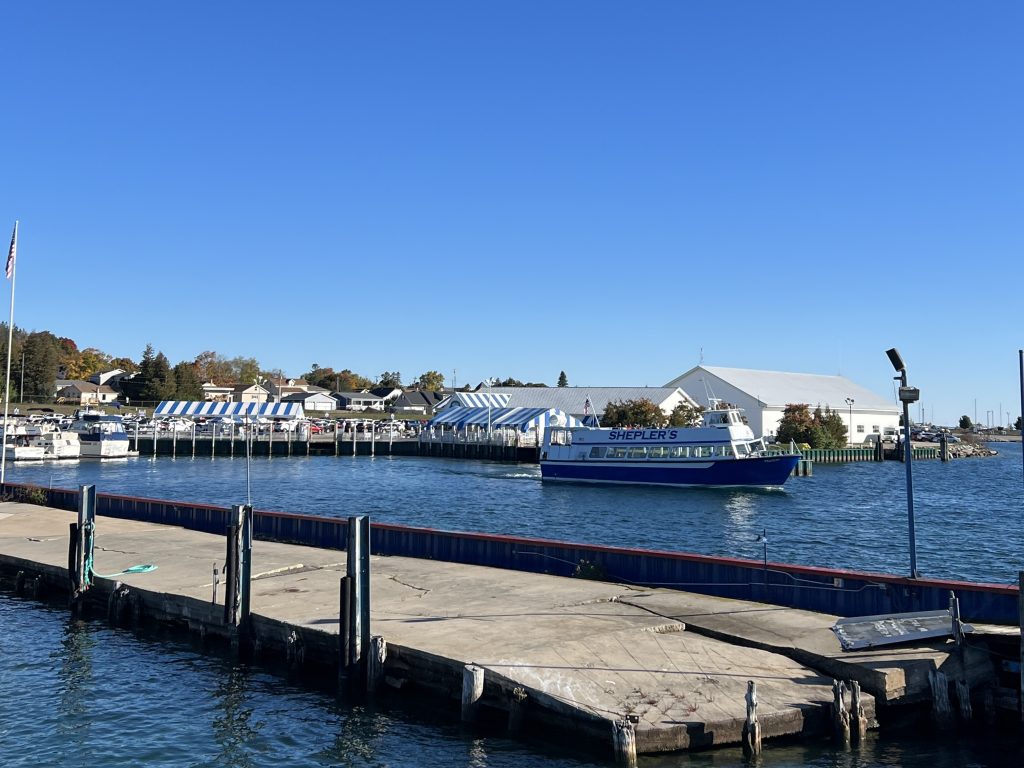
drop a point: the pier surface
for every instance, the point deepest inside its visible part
(586, 653)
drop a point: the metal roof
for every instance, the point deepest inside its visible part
(779, 388)
(572, 399)
(210, 408)
(522, 419)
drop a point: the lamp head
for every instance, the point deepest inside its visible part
(896, 360)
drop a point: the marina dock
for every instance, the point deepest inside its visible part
(623, 668)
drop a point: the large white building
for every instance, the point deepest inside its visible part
(764, 395)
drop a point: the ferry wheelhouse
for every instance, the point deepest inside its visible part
(721, 451)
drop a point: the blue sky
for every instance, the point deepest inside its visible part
(516, 189)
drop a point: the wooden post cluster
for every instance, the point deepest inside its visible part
(472, 691)
(840, 715)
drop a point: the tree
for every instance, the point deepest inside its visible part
(965, 422)
(389, 379)
(1016, 424)
(685, 415)
(42, 357)
(431, 381)
(639, 413)
(563, 380)
(823, 429)
(156, 379)
(188, 385)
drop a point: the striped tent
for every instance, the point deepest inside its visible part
(523, 419)
(194, 408)
(476, 400)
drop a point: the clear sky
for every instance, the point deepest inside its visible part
(519, 188)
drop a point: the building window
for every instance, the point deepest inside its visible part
(860, 429)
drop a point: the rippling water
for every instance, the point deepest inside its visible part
(854, 516)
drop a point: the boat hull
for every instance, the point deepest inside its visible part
(103, 447)
(753, 472)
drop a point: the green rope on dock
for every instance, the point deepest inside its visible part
(132, 569)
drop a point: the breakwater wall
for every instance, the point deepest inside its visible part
(826, 590)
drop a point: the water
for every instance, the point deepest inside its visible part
(851, 516)
(79, 693)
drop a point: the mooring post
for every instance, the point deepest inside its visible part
(233, 566)
(942, 712)
(624, 741)
(357, 568)
(840, 715)
(751, 727)
(472, 691)
(859, 724)
(344, 633)
(245, 583)
(1020, 619)
(216, 582)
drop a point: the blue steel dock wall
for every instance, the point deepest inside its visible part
(838, 592)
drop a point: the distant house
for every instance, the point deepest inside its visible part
(85, 393)
(279, 388)
(312, 401)
(216, 394)
(249, 393)
(764, 395)
(359, 401)
(417, 401)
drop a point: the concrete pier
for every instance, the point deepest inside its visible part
(568, 654)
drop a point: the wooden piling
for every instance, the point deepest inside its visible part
(624, 742)
(344, 632)
(1020, 618)
(751, 727)
(858, 717)
(942, 712)
(840, 715)
(375, 663)
(472, 691)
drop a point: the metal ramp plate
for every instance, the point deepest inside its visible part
(861, 632)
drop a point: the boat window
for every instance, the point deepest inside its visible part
(742, 449)
(638, 453)
(616, 453)
(657, 452)
(597, 452)
(679, 452)
(701, 451)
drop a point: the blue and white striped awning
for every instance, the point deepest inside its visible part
(523, 419)
(193, 408)
(479, 399)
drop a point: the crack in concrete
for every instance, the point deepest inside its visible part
(397, 580)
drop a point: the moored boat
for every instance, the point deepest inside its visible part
(101, 436)
(17, 448)
(721, 451)
(56, 443)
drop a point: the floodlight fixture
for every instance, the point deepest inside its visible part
(896, 360)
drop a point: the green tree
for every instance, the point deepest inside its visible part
(685, 415)
(830, 431)
(156, 379)
(965, 422)
(796, 424)
(42, 357)
(563, 380)
(1016, 424)
(638, 413)
(432, 381)
(189, 387)
(389, 379)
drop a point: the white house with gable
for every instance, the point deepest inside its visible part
(764, 395)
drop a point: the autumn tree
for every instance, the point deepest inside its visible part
(639, 413)
(685, 415)
(432, 381)
(822, 429)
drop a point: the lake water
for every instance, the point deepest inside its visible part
(854, 516)
(76, 693)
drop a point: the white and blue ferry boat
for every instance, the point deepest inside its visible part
(721, 451)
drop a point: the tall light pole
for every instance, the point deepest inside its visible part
(849, 402)
(908, 395)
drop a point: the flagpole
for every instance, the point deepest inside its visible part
(12, 265)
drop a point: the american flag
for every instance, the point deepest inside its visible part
(12, 254)
(587, 406)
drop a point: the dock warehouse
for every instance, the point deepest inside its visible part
(764, 395)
